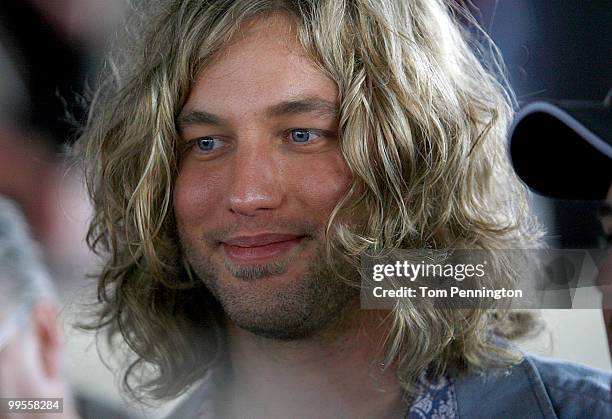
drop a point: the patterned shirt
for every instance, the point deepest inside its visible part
(436, 400)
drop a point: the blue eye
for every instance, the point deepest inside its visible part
(303, 135)
(208, 144)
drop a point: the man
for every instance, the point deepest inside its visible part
(31, 348)
(243, 162)
(575, 138)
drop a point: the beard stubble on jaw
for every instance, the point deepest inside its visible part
(306, 307)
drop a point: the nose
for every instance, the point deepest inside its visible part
(255, 182)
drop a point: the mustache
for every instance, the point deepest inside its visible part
(215, 236)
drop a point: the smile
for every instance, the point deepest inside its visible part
(260, 248)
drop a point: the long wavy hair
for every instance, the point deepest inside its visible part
(424, 109)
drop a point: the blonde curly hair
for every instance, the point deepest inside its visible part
(424, 110)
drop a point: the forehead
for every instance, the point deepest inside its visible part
(262, 65)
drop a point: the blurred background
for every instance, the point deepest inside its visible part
(51, 50)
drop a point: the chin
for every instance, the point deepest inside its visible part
(285, 307)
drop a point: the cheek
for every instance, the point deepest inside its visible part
(195, 194)
(321, 183)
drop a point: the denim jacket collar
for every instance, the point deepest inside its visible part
(515, 392)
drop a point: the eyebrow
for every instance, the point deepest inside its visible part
(299, 106)
(290, 107)
(198, 117)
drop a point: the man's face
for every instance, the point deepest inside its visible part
(259, 177)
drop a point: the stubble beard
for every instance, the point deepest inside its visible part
(310, 306)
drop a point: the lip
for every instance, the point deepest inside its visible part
(259, 240)
(260, 247)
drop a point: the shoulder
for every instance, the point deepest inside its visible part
(536, 387)
(572, 385)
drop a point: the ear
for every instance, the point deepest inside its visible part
(48, 335)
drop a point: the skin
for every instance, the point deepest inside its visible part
(256, 180)
(293, 328)
(31, 363)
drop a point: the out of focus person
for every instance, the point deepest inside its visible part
(574, 140)
(31, 350)
(605, 276)
(47, 51)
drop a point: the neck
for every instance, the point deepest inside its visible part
(335, 374)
